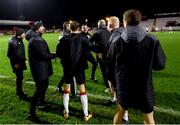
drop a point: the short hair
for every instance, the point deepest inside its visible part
(132, 17)
(101, 23)
(65, 24)
(74, 25)
(114, 21)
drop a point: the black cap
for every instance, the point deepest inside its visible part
(18, 31)
(37, 25)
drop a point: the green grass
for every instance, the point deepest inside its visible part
(166, 88)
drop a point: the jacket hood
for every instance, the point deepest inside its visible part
(133, 34)
(102, 26)
(119, 30)
(30, 34)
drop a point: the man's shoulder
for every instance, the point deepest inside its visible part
(13, 41)
(151, 36)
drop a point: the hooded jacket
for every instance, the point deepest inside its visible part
(100, 38)
(135, 54)
(39, 58)
(29, 34)
(16, 53)
(72, 51)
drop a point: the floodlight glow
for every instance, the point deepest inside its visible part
(107, 18)
(86, 20)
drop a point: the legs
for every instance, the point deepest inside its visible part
(84, 102)
(121, 113)
(19, 78)
(39, 95)
(103, 68)
(92, 60)
(118, 115)
(66, 100)
(149, 118)
(19, 88)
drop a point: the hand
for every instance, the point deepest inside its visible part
(53, 55)
(99, 55)
(17, 66)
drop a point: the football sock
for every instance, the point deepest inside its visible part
(84, 101)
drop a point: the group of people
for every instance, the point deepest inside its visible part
(126, 57)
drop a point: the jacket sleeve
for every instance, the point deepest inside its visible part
(12, 53)
(94, 38)
(159, 58)
(42, 51)
(111, 62)
(59, 48)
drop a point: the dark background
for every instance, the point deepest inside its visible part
(55, 12)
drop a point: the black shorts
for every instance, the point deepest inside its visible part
(143, 108)
(79, 76)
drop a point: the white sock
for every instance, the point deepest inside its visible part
(66, 102)
(125, 117)
(84, 101)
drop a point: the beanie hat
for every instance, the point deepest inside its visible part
(18, 31)
(37, 25)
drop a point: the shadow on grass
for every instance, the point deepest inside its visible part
(165, 74)
(168, 99)
(166, 118)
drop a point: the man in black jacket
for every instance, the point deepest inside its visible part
(116, 30)
(90, 57)
(100, 38)
(41, 67)
(135, 54)
(30, 32)
(72, 52)
(16, 54)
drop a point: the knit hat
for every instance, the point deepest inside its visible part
(18, 31)
(37, 25)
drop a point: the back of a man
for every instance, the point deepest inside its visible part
(100, 39)
(40, 66)
(135, 54)
(76, 47)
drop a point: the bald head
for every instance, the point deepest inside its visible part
(113, 22)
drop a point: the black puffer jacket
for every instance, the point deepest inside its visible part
(115, 35)
(72, 51)
(16, 53)
(135, 54)
(39, 58)
(100, 38)
(29, 34)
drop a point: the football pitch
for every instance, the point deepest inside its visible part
(166, 89)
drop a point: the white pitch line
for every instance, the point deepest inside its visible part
(3, 76)
(156, 108)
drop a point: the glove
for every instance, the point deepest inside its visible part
(17, 66)
(53, 55)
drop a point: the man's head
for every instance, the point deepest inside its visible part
(74, 26)
(19, 32)
(39, 28)
(31, 24)
(113, 23)
(101, 23)
(66, 26)
(131, 17)
(84, 28)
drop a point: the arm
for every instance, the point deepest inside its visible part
(111, 62)
(12, 53)
(159, 58)
(42, 51)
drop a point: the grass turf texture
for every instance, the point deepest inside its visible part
(166, 88)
